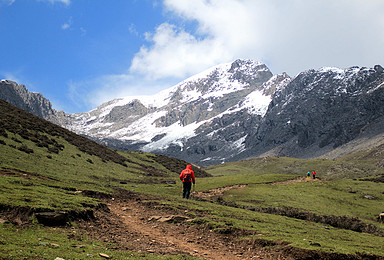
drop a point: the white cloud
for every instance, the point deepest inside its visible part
(65, 26)
(83, 31)
(93, 92)
(288, 35)
(12, 76)
(132, 30)
(10, 2)
(7, 2)
(176, 53)
(68, 24)
(66, 2)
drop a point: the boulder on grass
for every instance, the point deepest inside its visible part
(59, 218)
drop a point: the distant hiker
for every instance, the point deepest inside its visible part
(314, 174)
(187, 176)
(380, 218)
(308, 175)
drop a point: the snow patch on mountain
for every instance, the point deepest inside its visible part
(174, 134)
(142, 129)
(256, 103)
(374, 89)
(331, 69)
(239, 144)
(221, 70)
(150, 101)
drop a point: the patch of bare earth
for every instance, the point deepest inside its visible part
(142, 226)
(216, 192)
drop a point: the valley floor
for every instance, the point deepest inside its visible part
(141, 226)
(135, 223)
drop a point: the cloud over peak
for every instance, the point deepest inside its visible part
(288, 35)
(176, 53)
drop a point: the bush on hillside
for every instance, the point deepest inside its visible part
(31, 127)
(25, 149)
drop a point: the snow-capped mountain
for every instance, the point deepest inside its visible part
(183, 120)
(321, 110)
(234, 111)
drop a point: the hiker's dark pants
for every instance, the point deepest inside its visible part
(187, 189)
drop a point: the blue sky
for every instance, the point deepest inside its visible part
(80, 53)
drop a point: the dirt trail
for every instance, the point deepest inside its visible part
(144, 227)
(302, 179)
(168, 237)
(136, 224)
(216, 192)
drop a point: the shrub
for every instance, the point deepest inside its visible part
(3, 133)
(53, 149)
(25, 149)
(16, 140)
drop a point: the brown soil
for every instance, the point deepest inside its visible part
(215, 192)
(142, 226)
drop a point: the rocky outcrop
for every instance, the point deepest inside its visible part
(35, 103)
(59, 218)
(319, 111)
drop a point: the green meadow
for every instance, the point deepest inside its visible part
(261, 199)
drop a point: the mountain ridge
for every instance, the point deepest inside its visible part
(321, 110)
(239, 110)
(185, 113)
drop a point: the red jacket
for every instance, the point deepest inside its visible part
(186, 171)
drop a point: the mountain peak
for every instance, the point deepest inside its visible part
(233, 111)
(173, 116)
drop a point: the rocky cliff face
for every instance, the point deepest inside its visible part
(318, 111)
(35, 103)
(233, 111)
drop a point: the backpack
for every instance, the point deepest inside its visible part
(187, 176)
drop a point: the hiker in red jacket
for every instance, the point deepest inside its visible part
(187, 176)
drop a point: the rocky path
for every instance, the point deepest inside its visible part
(154, 228)
(216, 192)
(169, 238)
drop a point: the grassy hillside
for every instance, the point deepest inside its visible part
(37, 151)
(248, 207)
(44, 167)
(347, 195)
